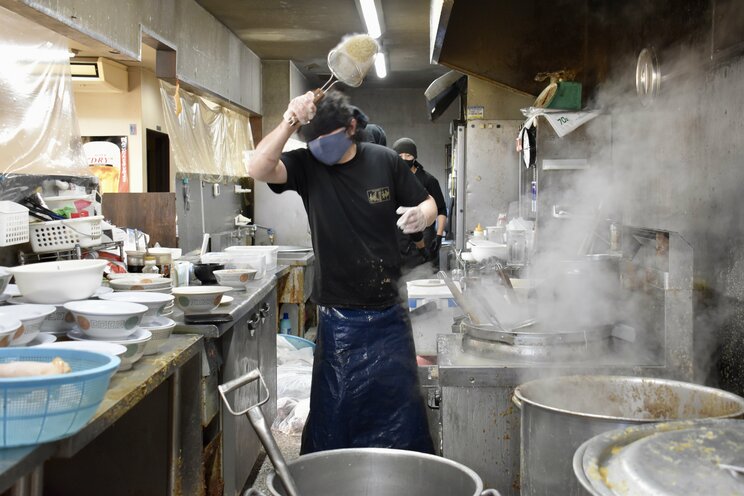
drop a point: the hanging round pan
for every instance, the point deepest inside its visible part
(529, 149)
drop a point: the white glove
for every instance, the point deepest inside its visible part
(412, 219)
(301, 109)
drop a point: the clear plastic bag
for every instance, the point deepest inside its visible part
(205, 137)
(40, 133)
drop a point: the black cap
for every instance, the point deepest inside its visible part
(405, 145)
(374, 134)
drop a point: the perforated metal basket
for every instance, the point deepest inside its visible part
(38, 409)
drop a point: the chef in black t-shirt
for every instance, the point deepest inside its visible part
(365, 390)
(417, 248)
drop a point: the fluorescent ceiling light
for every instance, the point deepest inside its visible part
(372, 21)
(380, 65)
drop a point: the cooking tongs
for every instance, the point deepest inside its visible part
(258, 421)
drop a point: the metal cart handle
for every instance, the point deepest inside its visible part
(258, 421)
(239, 382)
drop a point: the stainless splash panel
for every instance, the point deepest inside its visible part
(491, 170)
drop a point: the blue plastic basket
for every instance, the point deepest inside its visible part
(35, 410)
(298, 342)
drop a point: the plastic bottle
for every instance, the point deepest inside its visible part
(285, 325)
(150, 267)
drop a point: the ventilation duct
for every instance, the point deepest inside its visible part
(443, 91)
(98, 75)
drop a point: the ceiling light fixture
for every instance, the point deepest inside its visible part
(380, 65)
(371, 18)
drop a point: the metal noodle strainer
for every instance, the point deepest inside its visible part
(349, 62)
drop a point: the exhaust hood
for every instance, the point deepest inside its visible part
(508, 43)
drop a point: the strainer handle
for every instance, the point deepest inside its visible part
(318, 94)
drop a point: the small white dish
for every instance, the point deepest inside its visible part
(43, 339)
(139, 335)
(112, 349)
(12, 290)
(161, 328)
(135, 345)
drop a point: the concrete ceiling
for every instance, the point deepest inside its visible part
(304, 31)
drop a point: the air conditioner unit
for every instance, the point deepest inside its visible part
(98, 75)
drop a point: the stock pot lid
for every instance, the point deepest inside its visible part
(664, 459)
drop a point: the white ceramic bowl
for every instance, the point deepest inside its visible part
(482, 249)
(31, 316)
(157, 303)
(235, 278)
(161, 329)
(8, 329)
(199, 299)
(59, 322)
(59, 282)
(100, 319)
(135, 346)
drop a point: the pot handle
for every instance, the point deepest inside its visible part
(517, 401)
(490, 492)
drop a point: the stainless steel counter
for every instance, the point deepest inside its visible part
(231, 350)
(243, 302)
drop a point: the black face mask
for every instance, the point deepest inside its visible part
(410, 162)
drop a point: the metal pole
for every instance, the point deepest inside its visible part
(460, 188)
(175, 433)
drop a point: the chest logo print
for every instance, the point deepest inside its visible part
(378, 195)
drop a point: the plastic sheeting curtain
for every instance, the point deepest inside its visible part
(205, 137)
(39, 131)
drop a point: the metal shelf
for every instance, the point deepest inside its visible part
(76, 253)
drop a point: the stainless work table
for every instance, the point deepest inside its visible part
(60, 466)
(245, 343)
(243, 302)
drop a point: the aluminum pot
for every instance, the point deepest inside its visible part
(379, 471)
(559, 413)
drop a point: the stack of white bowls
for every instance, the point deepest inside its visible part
(155, 320)
(112, 321)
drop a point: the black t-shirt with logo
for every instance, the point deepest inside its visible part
(351, 212)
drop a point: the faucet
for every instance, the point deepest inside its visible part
(254, 227)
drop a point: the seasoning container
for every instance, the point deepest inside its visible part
(135, 261)
(479, 232)
(163, 259)
(150, 267)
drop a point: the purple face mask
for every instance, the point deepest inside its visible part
(329, 149)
